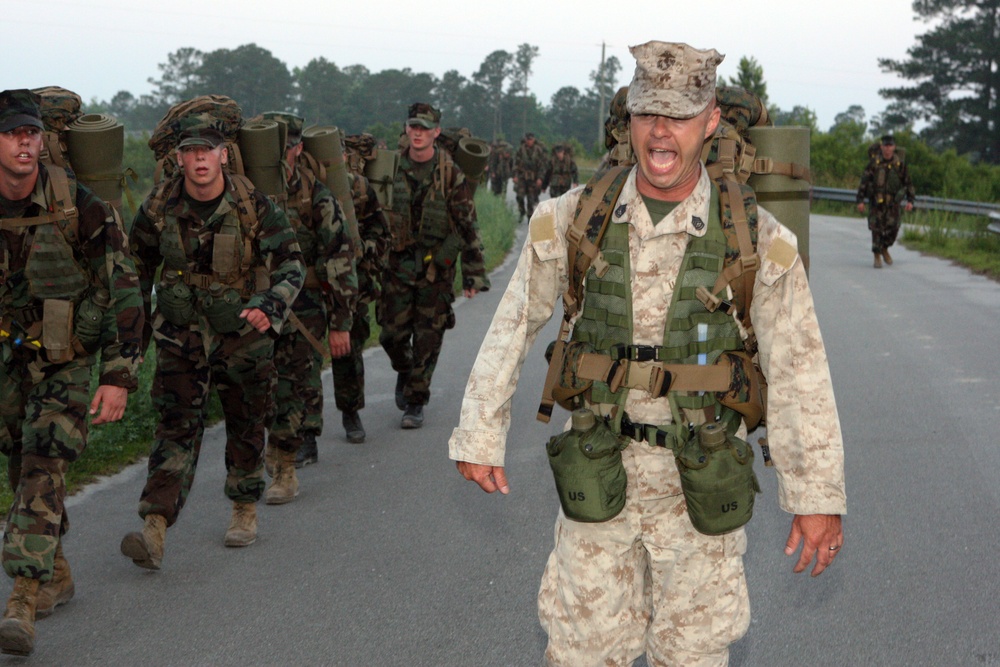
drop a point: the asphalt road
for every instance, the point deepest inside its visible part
(389, 558)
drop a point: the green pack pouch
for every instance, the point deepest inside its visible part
(446, 254)
(57, 329)
(90, 317)
(174, 299)
(222, 306)
(717, 479)
(586, 462)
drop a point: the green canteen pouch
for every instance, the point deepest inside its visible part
(449, 250)
(718, 480)
(57, 329)
(175, 300)
(89, 318)
(222, 306)
(586, 462)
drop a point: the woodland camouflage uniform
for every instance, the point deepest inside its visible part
(530, 165)
(563, 173)
(500, 166)
(193, 358)
(886, 185)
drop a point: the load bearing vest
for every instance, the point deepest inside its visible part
(434, 226)
(693, 336)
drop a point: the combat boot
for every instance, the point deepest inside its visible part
(146, 548)
(887, 257)
(878, 261)
(59, 590)
(401, 380)
(285, 486)
(353, 427)
(17, 630)
(242, 530)
(269, 459)
(307, 452)
(413, 417)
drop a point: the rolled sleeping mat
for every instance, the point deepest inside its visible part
(781, 178)
(326, 144)
(95, 143)
(381, 172)
(471, 156)
(261, 151)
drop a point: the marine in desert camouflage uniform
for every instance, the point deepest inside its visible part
(231, 269)
(323, 315)
(51, 264)
(646, 581)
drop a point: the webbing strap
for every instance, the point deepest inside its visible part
(318, 346)
(766, 165)
(552, 376)
(654, 377)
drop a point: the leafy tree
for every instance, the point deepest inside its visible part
(250, 75)
(523, 60)
(494, 71)
(955, 71)
(799, 115)
(750, 75)
(449, 94)
(179, 78)
(322, 88)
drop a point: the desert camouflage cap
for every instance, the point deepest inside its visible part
(424, 115)
(672, 79)
(200, 135)
(294, 123)
(18, 108)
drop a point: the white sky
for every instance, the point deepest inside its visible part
(821, 54)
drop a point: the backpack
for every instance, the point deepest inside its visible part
(468, 152)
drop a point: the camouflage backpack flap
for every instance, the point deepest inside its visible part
(218, 111)
(360, 149)
(59, 108)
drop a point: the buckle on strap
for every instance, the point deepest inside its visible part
(621, 351)
(646, 432)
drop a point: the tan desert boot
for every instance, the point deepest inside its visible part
(285, 486)
(17, 630)
(58, 590)
(887, 257)
(242, 530)
(146, 548)
(878, 261)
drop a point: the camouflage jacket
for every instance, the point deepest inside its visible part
(500, 163)
(375, 237)
(806, 446)
(102, 250)
(274, 247)
(461, 210)
(531, 163)
(885, 182)
(327, 250)
(562, 173)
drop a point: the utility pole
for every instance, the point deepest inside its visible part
(600, 91)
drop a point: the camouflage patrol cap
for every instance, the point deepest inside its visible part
(18, 108)
(424, 115)
(888, 140)
(672, 79)
(292, 122)
(200, 135)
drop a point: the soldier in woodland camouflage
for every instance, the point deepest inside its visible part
(433, 223)
(324, 305)
(68, 290)
(563, 173)
(230, 270)
(645, 581)
(886, 185)
(349, 371)
(530, 165)
(500, 167)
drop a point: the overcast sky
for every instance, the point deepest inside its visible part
(822, 54)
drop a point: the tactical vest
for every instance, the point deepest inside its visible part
(232, 255)
(888, 182)
(693, 335)
(434, 226)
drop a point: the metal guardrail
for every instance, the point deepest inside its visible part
(992, 211)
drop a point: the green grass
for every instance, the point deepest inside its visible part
(111, 447)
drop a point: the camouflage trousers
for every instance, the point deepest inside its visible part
(414, 316)
(644, 582)
(298, 391)
(883, 221)
(349, 371)
(43, 429)
(240, 368)
(527, 196)
(498, 185)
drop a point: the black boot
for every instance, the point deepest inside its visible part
(413, 417)
(401, 380)
(307, 452)
(352, 425)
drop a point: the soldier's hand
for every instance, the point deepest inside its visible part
(340, 343)
(861, 207)
(821, 535)
(257, 319)
(470, 292)
(489, 478)
(110, 401)
(909, 206)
